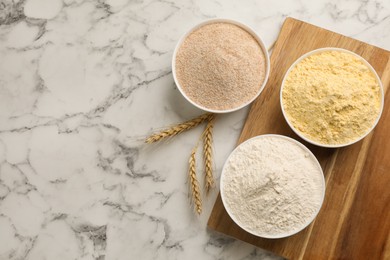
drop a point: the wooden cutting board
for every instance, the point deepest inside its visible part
(354, 221)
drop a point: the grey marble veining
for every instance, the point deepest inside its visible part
(81, 84)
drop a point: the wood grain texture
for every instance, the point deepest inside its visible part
(354, 221)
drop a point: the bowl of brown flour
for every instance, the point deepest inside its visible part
(220, 65)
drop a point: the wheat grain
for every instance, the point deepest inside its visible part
(194, 184)
(177, 129)
(208, 153)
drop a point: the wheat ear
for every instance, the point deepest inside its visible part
(208, 154)
(177, 129)
(194, 184)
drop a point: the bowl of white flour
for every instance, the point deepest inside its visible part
(272, 186)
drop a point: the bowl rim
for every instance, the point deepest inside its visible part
(314, 159)
(319, 50)
(241, 25)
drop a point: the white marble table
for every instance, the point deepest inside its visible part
(81, 84)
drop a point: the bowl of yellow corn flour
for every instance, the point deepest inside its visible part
(331, 97)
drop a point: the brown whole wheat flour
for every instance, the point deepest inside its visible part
(220, 66)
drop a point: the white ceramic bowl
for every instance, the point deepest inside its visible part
(331, 145)
(291, 232)
(246, 28)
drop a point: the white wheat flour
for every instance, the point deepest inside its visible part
(272, 185)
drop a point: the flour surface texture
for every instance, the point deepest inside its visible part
(272, 185)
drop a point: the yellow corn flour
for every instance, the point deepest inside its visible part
(331, 97)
